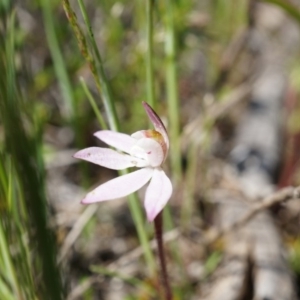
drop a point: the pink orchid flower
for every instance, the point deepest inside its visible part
(145, 149)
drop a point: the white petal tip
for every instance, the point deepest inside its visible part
(84, 202)
(158, 194)
(97, 133)
(150, 219)
(76, 155)
(88, 199)
(152, 215)
(81, 153)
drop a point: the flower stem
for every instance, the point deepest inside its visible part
(158, 222)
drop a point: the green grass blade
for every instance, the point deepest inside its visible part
(8, 269)
(58, 60)
(5, 293)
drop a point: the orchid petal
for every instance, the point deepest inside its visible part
(119, 187)
(158, 193)
(157, 122)
(109, 158)
(118, 140)
(149, 149)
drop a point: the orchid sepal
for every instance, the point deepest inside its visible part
(157, 122)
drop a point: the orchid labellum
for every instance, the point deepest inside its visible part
(145, 149)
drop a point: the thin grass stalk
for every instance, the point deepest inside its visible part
(106, 93)
(83, 47)
(70, 107)
(149, 55)
(172, 92)
(93, 104)
(58, 60)
(98, 71)
(95, 66)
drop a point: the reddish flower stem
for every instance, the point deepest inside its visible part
(158, 222)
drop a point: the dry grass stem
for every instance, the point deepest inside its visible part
(281, 196)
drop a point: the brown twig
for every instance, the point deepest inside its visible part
(281, 196)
